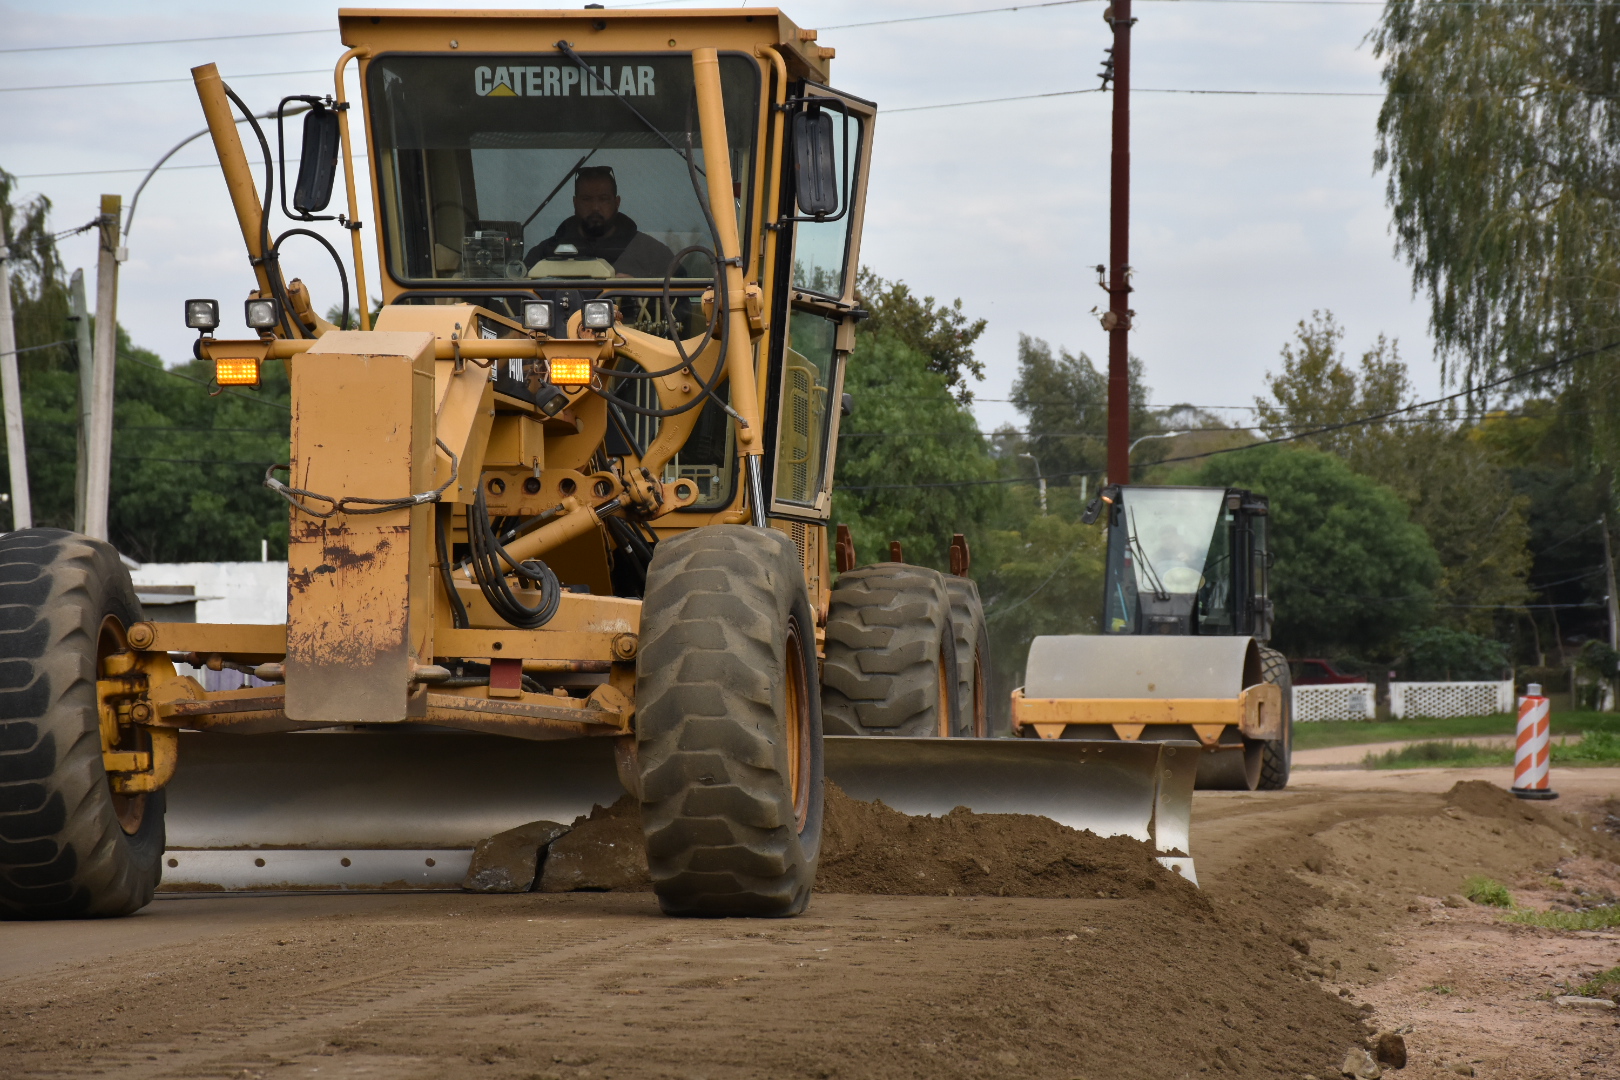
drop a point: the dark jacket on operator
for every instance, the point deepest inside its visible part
(630, 252)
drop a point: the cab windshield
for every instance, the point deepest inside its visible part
(1169, 553)
(525, 169)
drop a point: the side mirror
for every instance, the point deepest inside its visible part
(317, 171)
(815, 163)
(1108, 496)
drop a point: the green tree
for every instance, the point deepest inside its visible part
(1352, 570)
(1064, 399)
(1567, 494)
(1038, 574)
(1316, 388)
(1439, 653)
(187, 467)
(941, 332)
(904, 455)
(1501, 136)
(1450, 481)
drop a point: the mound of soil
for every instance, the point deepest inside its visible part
(1485, 799)
(869, 848)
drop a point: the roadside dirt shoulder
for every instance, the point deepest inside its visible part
(1369, 882)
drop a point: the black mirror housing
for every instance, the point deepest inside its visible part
(317, 170)
(815, 163)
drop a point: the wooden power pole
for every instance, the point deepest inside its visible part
(87, 365)
(98, 473)
(1117, 320)
(22, 511)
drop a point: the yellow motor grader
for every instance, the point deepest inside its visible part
(559, 515)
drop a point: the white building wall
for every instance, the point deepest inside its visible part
(236, 592)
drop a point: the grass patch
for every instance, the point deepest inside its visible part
(1598, 918)
(1317, 736)
(1439, 988)
(1488, 891)
(1595, 748)
(1448, 754)
(1603, 984)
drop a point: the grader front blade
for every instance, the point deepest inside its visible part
(1141, 789)
(402, 810)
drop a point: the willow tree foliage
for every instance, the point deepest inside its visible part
(1500, 131)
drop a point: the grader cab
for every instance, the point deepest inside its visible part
(558, 516)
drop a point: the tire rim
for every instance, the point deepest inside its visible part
(129, 809)
(798, 725)
(945, 689)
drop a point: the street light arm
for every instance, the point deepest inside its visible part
(175, 149)
(1157, 435)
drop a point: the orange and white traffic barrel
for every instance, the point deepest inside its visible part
(1532, 753)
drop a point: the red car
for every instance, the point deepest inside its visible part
(1319, 673)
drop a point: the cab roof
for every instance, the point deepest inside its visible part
(589, 30)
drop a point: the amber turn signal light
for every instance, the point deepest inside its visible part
(571, 372)
(236, 372)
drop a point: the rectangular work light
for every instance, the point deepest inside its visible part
(236, 372)
(597, 314)
(571, 372)
(202, 315)
(263, 314)
(537, 315)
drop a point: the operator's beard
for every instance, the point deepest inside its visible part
(594, 227)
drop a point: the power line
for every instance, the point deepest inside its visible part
(841, 26)
(961, 14)
(151, 82)
(1375, 417)
(203, 382)
(167, 427)
(195, 461)
(164, 41)
(166, 168)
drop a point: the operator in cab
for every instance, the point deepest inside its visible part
(599, 231)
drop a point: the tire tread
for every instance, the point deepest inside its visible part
(64, 853)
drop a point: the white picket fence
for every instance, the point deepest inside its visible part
(1334, 701)
(1436, 700)
(1442, 699)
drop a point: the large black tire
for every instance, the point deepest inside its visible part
(891, 654)
(69, 847)
(1276, 755)
(972, 639)
(728, 725)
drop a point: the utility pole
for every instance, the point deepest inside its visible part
(1040, 481)
(87, 364)
(1117, 320)
(1614, 601)
(22, 512)
(98, 482)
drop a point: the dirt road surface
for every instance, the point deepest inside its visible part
(1322, 919)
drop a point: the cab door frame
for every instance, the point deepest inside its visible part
(842, 310)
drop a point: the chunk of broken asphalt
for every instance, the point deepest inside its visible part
(1360, 1064)
(507, 862)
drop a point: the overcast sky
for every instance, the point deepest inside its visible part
(1248, 211)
